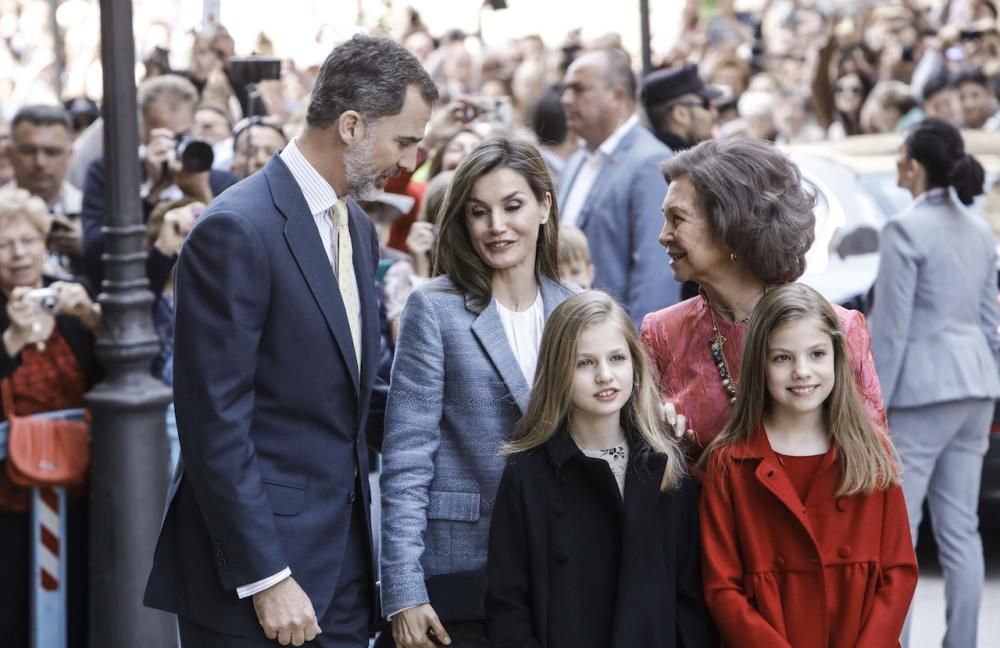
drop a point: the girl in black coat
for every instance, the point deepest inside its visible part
(594, 539)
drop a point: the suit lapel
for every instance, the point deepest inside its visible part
(569, 175)
(552, 295)
(605, 177)
(307, 248)
(489, 331)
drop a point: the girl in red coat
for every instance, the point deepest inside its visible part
(805, 536)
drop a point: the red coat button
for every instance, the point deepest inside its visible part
(844, 551)
(841, 505)
(779, 562)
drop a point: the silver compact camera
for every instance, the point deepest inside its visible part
(47, 298)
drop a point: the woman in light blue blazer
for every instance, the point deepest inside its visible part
(465, 359)
(936, 348)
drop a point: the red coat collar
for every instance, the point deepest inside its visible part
(757, 446)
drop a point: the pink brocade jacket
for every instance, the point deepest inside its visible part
(678, 337)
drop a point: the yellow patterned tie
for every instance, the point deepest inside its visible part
(345, 274)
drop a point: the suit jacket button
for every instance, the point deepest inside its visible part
(222, 561)
(844, 552)
(351, 497)
(779, 562)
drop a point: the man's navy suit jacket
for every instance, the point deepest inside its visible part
(271, 406)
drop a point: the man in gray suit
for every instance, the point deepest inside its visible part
(612, 189)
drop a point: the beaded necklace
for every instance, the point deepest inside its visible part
(716, 345)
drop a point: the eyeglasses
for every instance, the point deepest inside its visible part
(30, 150)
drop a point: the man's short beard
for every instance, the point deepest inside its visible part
(358, 163)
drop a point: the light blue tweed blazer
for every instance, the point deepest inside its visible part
(934, 321)
(455, 396)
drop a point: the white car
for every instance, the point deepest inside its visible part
(855, 185)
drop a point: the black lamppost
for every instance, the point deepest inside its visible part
(129, 454)
(647, 54)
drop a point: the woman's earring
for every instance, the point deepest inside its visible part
(732, 256)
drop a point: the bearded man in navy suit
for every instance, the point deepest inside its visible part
(267, 532)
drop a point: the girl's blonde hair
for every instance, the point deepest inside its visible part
(550, 403)
(865, 454)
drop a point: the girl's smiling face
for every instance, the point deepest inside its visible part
(800, 367)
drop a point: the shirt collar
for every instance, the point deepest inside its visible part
(319, 194)
(608, 146)
(934, 195)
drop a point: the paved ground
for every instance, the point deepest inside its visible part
(928, 624)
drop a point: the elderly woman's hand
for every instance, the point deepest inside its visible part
(29, 322)
(72, 300)
(678, 422)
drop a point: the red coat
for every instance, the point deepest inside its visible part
(831, 573)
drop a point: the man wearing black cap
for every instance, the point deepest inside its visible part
(679, 106)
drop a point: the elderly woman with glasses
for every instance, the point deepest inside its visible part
(47, 363)
(737, 222)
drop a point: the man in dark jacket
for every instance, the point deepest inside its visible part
(680, 106)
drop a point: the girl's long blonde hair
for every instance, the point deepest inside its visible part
(864, 452)
(550, 402)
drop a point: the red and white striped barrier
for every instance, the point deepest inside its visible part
(48, 552)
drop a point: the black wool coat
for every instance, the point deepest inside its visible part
(572, 565)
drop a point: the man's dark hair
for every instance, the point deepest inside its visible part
(937, 83)
(548, 119)
(972, 75)
(42, 115)
(369, 75)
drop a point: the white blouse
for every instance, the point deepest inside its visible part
(524, 334)
(617, 458)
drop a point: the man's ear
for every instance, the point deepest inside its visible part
(350, 127)
(680, 115)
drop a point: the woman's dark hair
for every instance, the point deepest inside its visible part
(753, 198)
(852, 123)
(454, 254)
(939, 148)
(548, 119)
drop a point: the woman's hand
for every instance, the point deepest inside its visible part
(29, 322)
(72, 300)
(420, 240)
(415, 627)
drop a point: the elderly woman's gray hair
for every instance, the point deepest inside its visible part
(753, 197)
